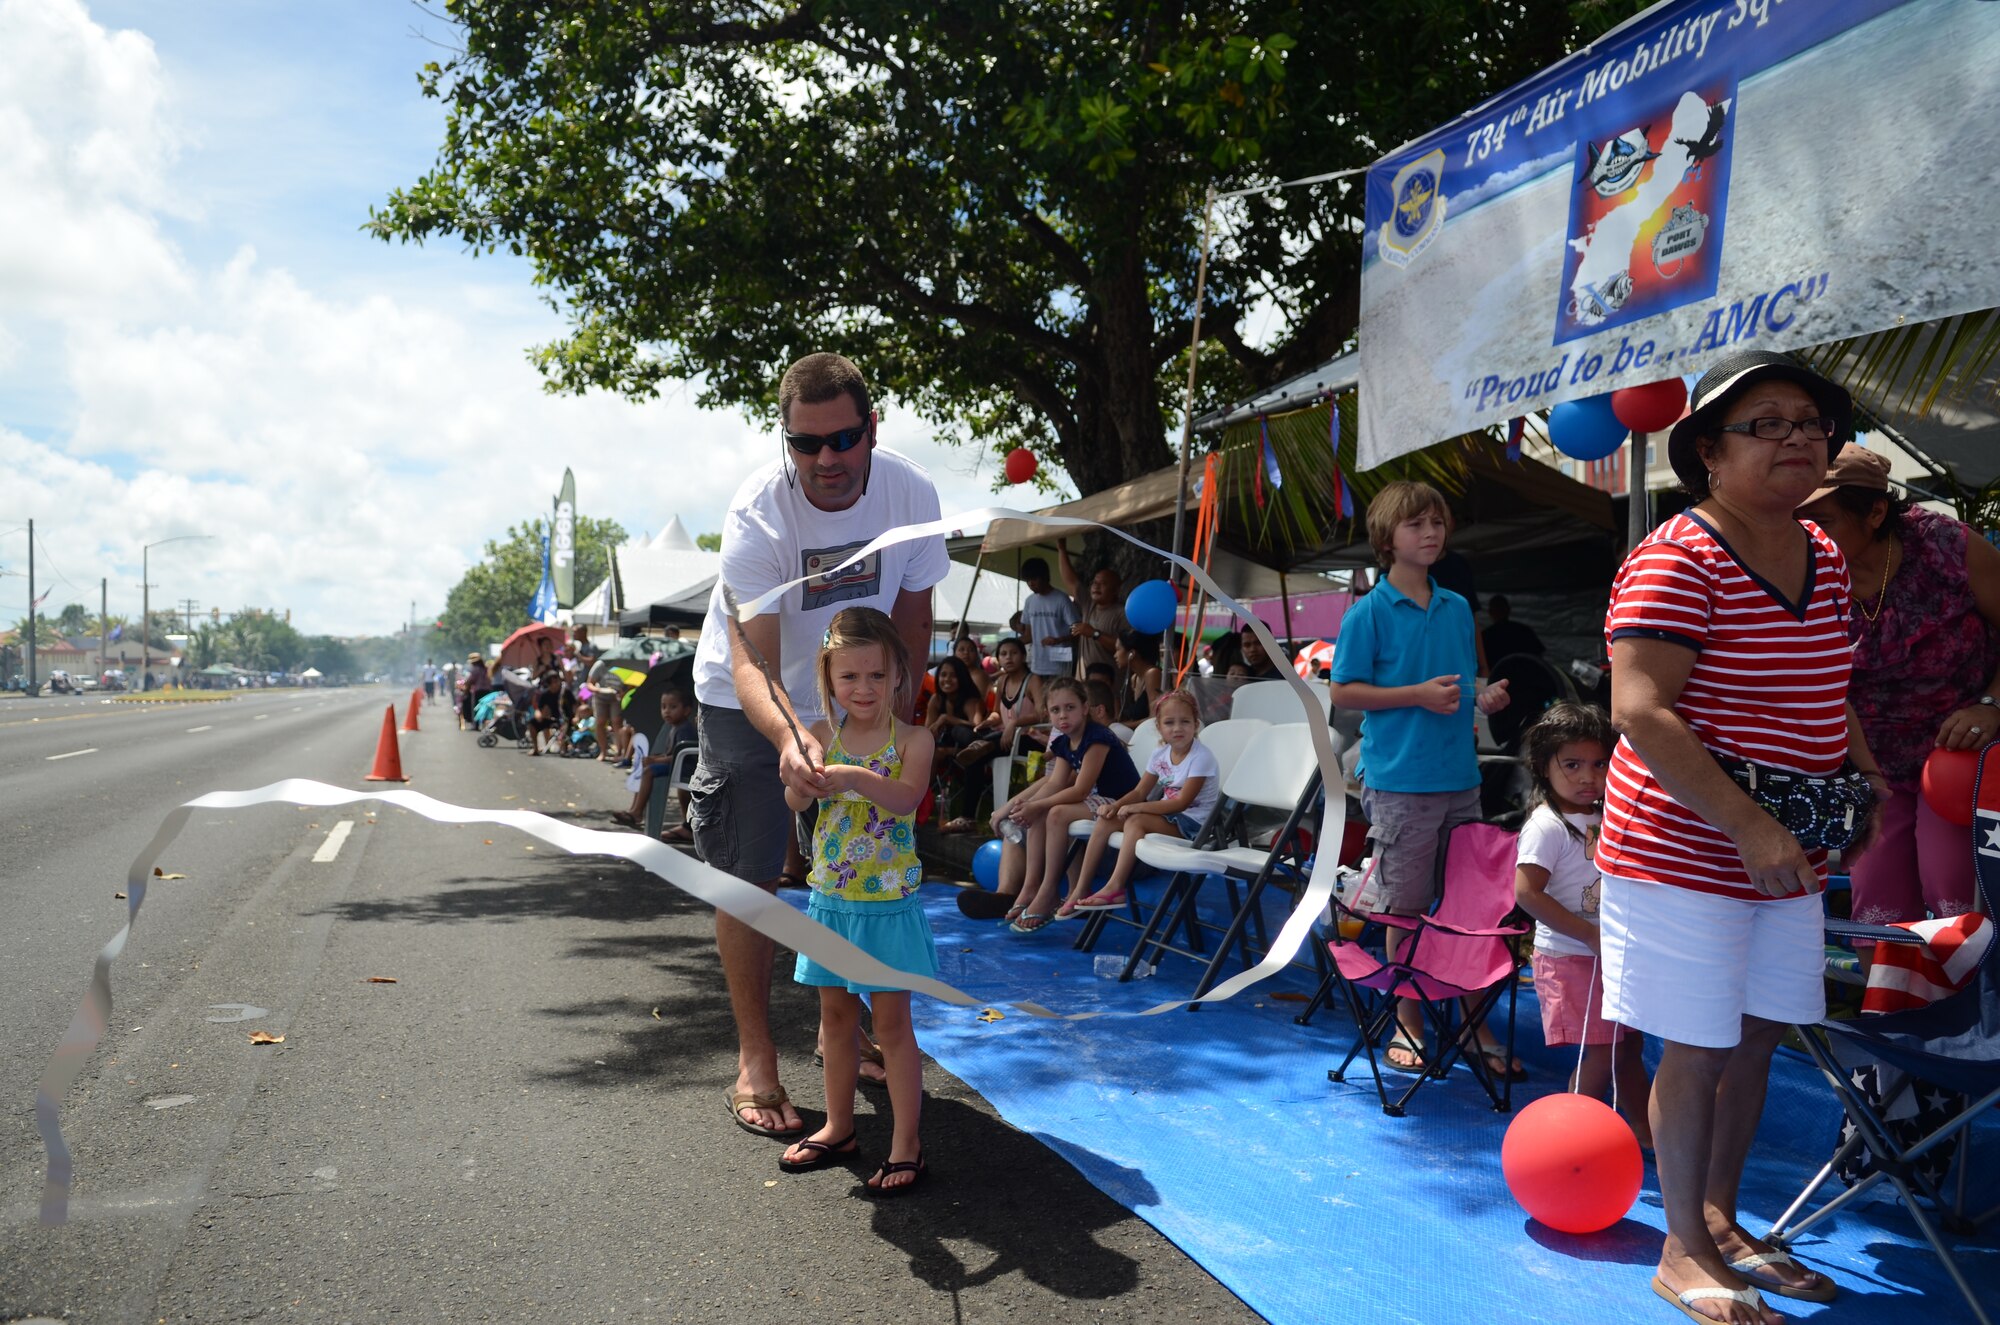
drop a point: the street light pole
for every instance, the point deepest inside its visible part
(34, 636)
(146, 606)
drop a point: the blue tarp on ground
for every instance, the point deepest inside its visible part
(1220, 1128)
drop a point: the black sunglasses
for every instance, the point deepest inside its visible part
(806, 443)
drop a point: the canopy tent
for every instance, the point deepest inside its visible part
(674, 538)
(651, 585)
(1007, 543)
(311, 674)
(980, 598)
(1504, 509)
(1959, 432)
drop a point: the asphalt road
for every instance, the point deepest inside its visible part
(528, 1125)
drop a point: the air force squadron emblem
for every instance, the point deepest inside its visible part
(1418, 212)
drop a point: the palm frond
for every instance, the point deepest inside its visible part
(1906, 371)
(1300, 514)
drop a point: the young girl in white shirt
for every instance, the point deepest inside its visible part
(1189, 780)
(1568, 751)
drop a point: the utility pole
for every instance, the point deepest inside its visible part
(34, 636)
(188, 605)
(103, 607)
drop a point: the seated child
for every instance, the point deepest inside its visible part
(645, 763)
(1102, 701)
(1087, 767)
(676, 730)
(1188, 778)
(1568, 751)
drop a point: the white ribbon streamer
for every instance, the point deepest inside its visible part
(747, 902)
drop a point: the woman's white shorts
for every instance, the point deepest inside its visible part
(1688, 966)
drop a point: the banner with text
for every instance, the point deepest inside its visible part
(1716, 174)
(564, 549)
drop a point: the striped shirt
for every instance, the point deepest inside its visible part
(1770, 685)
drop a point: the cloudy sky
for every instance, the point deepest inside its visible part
(196, 338)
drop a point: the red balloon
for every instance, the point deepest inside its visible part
(1947, 783)
(1572, 1163)
(1021, 465)
(1653, 407)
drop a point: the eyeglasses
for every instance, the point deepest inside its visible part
(806, 443)
(1770, 429)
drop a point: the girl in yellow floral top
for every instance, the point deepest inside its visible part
(865, 878)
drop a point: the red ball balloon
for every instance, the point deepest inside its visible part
(1653, 407)
(1947, 783)
(1572, 1163)
(1021, 465)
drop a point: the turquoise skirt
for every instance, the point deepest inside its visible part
(895, 933)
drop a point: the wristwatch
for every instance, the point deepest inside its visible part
(1987, 701)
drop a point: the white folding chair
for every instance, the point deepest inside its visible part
(1226, 740)
(1276, 702)
(1278, 771)
(1145, 740)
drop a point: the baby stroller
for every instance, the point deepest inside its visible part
(582, 742)
(498, 717)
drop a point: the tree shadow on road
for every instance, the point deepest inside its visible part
(559, 888)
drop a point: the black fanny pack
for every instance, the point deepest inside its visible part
(1829, 813)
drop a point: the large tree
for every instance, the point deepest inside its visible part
(993, 205)
(491, 601)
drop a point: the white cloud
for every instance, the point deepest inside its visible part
(350, 442)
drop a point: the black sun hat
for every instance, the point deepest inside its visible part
(1735, 373)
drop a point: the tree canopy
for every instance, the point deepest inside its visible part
(491, 601)
(992, 205)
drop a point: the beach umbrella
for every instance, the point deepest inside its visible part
(642, 700)
(519, 649)
(1313, 660)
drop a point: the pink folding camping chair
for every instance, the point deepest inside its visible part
(1459, 951)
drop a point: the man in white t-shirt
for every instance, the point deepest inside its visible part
(830, 493)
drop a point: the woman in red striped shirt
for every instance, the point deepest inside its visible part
(1728, 635)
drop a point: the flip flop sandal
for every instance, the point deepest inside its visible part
(1499, 1068)
(826, 1154)
(919, 1168)
(679, 834)
(1685, 1301)
(1822, 1291)
(626, 817)
(955, 827)
(770, 1099)
(1029, 923)
(1401, 1040)
(1101, 902)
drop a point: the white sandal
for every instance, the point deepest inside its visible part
(1749, 1265)
(1749, 1297)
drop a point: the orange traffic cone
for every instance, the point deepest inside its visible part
(410, 722)
(388, 760)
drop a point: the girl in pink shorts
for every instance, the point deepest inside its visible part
(1556, 882)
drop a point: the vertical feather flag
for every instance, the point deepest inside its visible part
(1514, 431)
(1270, 466)
(1343, 496)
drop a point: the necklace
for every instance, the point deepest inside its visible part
(1882, 594)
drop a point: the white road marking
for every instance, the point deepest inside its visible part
(331, 847)
(74, 753)
(260, 717)
(207, 727)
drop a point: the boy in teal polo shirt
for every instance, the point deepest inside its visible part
(1406, 658)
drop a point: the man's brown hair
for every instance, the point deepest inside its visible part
(821, 377)
(1400, 501)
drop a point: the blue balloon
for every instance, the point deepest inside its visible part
(1150, 607)
(986, 865)
(1586, 429)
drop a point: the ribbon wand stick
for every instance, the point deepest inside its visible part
(763, 666)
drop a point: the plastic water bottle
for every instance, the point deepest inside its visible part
(1109, 965)
(1013, 832)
